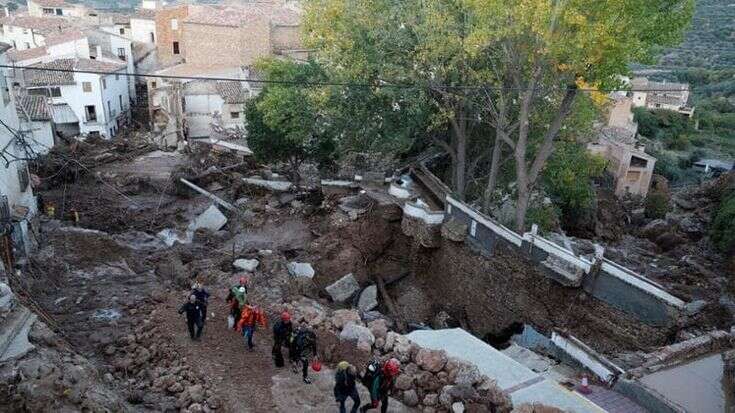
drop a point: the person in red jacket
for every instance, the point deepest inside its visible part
(251, 316)
(380, 384)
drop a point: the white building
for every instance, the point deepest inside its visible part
(661, 95)
(36, 122)
(17, 203)
(98, 103)
(143, 26)
(28, 32)
(55, 8)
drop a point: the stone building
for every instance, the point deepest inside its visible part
(661, 95)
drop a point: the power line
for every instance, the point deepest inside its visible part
(310, 84)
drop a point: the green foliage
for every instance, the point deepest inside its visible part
(723, 226)
(568, 178)
(664, 125)
(284, 123)
(667, 166)
(545, 216)
(657, 205)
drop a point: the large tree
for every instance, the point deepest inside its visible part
(514, 65)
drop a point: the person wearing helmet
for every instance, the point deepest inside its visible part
(251, 316)
(345, 385)
(381, 385)
(202, 296)
(303, 349)
(282, 331)
(236, 298)
(193, 317)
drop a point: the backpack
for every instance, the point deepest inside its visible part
(305, 339)
(371, 371)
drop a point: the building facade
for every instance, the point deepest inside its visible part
(661, 95)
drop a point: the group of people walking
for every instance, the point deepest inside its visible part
(299, 341)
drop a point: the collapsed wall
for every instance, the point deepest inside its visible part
(427, 273)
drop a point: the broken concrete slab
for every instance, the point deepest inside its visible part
(211, 219)
(246, 265)
(171, 236)
(342, 289)
(300, 269)
(368, 298)
(14, 342)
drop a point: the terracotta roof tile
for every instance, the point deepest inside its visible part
(21, 55)
(43, 25)
(242, 15)
(34, 106)
(145, 14)
(52, 78)
(232, 92)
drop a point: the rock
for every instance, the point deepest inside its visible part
(196, 393)
(468, 375)
(340, 318)
(390, 340)
(684, 204)
(300, 269)
(429, 409)
(669, 241)
(379, 328)
(431, 399)
(431, 360)
(211, 219)
(7, 298)
(142, 356)
(196, 408)
(364, 346)
(454, 230)
(445, 396)
(368, 298)
(458, 407)
(410, 398)
(379, 343)
(402, 348)
(354, 332)
(655, 229)
(246, 265)
(404, 382)
(693, 227)
(172, 236)
(176, 387)
(695, 307)
(342, 289)
(442, 320)
(427, 381)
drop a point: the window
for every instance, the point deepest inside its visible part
(109, 109)
(122, 30)
(27, 45)
(176, 47)
(104, 83)
(117, 77)
(174, 24)
(87, 87)
(633, 176)
(234, 115)
(153, 38)
(25, 31)
(121, 53)
(153, 85)
(55, 92)
(23, 177)
(48, 11)
(121, 106)
(59, 12)
(637, 162)
(91, 113)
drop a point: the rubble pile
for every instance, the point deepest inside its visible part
(429, 380)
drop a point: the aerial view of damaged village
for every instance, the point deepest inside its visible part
(332, 206)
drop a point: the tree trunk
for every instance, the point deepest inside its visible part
(459, 139)
(492, 180)
(524, 197)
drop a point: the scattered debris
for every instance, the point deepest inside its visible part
(344, 288)
(368, 298)
(301, 270)
(246, 265)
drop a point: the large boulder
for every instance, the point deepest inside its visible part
(342, 289)
(368, 298)
(410, 398)
(341, 318)
(354, 332)
(431, 360)
(300, 269)
(246, 265)
(212, 219)
(379, 328)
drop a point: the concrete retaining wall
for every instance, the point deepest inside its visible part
(604, 280)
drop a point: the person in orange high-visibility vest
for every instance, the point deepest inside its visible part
(251, 316)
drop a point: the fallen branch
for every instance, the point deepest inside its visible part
(392, 308)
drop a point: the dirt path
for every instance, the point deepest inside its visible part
(241, 379)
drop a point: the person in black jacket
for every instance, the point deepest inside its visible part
(282, 331)
(193, 317)
(202, 297)
(302, 350)
(345, 385)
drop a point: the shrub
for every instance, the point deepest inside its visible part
(657, 205)
(723, 226)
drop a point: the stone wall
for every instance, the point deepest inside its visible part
(166, 36)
